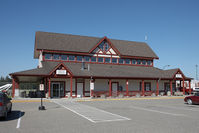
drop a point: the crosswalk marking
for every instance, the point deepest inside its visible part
(92, 114)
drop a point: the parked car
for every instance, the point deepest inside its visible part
(5, 105)
(192, 99)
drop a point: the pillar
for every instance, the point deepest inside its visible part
(49, 88)
(183, 87)
(157, 87)
(171, 90)
(143, 92)
(110, 88)
(127, 87)
(71, 86)
(189, 87)
(13, 87)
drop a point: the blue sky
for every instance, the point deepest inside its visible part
(172, 27)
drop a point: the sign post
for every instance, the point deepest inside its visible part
(41, 89)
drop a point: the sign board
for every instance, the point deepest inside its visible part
(41, 87)
(178, 75)
(91, 85)
(61, 72)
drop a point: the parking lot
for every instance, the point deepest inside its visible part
(107, 116)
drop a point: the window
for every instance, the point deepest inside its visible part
(79, 58)
(139, 62)
(114, 60)
(104, 46)
(143, 62)
(93, 59)
(149, 62)
(134, 61)
(127, 61)
(86, 58)
(107, 60)
(48, 56)
(100, 59)
(71, 58)
(121, 61)
(55, 57)
(147, 86)
(64, 57)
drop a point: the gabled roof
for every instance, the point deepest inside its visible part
(103, 71)
(83, 44)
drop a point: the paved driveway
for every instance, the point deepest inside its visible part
(137, 116)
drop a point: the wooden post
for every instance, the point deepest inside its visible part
(183, 87)
(13, 87)
(127, 87)
(171, 90)
(110, 89)
(71, 86)
(157, 87)
(189, 87)
(49, 88)
(143, 92)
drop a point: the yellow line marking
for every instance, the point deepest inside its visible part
(117, 99)
(28, 101)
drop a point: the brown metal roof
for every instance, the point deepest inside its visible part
(103, 71)
(77, 43)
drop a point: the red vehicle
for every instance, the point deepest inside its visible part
(192, 99)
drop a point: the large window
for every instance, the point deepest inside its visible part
(104, 46)
(64, 57)
(93, 59)
(107, 60)
(114, 60)
(121, 61)
(79, 58)
(55, 57)
(71, 58)
(100, 59)
(48, 56)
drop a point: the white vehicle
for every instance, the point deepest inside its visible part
(195, 85)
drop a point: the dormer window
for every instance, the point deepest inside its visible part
(55, 57)
(64, 57)
(104, 46)
(71, 58)
(48, 56)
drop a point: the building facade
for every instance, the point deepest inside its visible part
(81, 66)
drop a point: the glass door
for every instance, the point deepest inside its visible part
(55, 90)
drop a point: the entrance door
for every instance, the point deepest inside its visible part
(114, 89)
(57, 89)
(80, 89)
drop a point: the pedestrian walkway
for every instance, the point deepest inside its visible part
(92, 114)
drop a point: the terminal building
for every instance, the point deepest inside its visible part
(82, 66)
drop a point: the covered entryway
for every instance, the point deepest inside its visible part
(80, 87)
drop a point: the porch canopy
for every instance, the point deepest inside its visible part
(103, 71)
